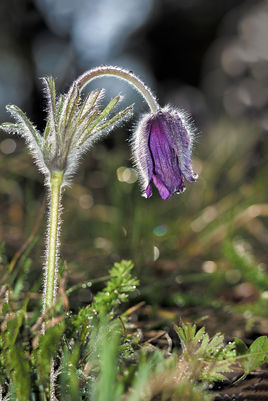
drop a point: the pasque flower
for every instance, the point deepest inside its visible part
(162, 152)
(162, 147)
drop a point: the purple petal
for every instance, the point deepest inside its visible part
(167, 175)
(148, 191)
(180, 137)
(141, 152)
(163, 191)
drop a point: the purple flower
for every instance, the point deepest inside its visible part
(162, 152)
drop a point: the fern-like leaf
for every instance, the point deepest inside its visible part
(101, 116)
(213, 356)
(122, 115)
(27, 129)
(51, 97)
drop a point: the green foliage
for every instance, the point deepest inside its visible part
(107, 301)
(19, 371)
(250, 272)
(213, 356)
(97, 357)
(48, 346)
(107, 386)
(14, 360)
(187, 392)
(169, 378)
(117, 288)
(94, 364)
(69, 378)
(254, 356)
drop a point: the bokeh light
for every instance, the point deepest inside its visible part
(128, 175)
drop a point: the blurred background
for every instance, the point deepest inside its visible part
(200, 253)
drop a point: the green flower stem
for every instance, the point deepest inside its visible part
(51, 270)
(124, 75)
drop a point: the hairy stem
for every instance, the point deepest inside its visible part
(52, 381)
(121, 74)
(51, 268)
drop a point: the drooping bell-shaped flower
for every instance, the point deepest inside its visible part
(162, 152)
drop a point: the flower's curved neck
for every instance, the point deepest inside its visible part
(121, 74)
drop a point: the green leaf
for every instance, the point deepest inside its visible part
(23, 120)
(22, 278)
(118, 117)
(73, 107)
(46, 350)
(240, 346)
(19, 371)
(107, 301)
(47, 130)
(117, 289)
(14, 325)
(50, 84)
(101, 116)
(13, 354)
(83, 124)
(10, 128)
(108, 387)
(69, 374)
(60, 105)
(210, 357)
(70, 104)
(92, 99)
(141, 380)
(258, 354)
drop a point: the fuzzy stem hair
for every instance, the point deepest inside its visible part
(121, 74)
(51, 265)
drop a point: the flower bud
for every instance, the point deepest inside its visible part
(162, 148)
